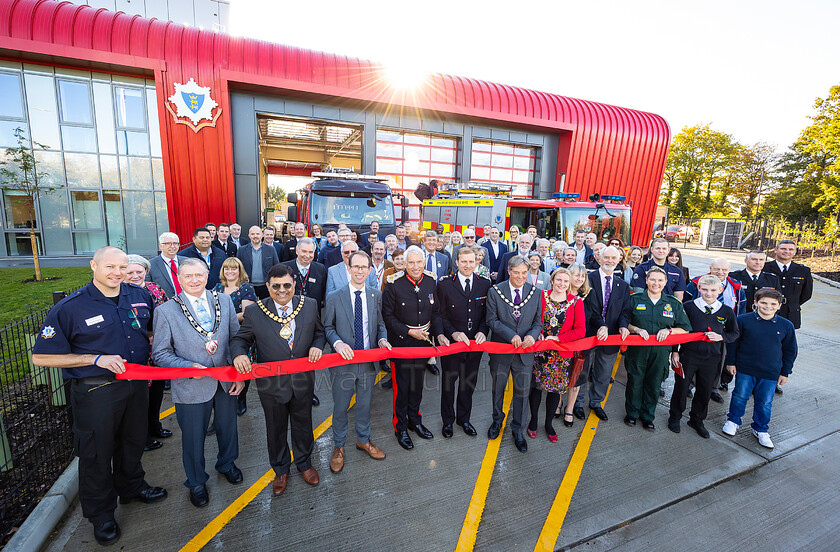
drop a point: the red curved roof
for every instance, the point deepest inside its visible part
(603, 148)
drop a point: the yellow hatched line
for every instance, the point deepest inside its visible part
(469, 530)
(557, 515)
(168, 412)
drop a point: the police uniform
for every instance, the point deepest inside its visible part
(676, 277)
(644, 364)
(405, 305)
(109, 415)
(461, 313)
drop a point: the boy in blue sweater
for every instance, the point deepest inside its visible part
(761, 358)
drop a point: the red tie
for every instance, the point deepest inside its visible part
(174, 270)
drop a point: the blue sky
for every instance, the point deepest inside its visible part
(750, 68)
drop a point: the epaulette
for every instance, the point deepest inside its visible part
(429, 273)
(482, 276)
(395, 276)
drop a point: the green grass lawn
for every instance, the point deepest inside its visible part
(19, 297)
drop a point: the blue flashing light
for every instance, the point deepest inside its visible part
(565, 196)
(617, 199)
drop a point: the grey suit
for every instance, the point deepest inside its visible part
(336, 277)
(504, 327)
(177, 345)
(339, 325)
(159, 273)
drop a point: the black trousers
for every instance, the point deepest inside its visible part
(704, 372)
(462, 368)
(109, 432)
(155, 400)
(278, 415)
(408, 379)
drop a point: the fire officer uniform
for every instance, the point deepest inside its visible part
(644, 364)
(796, 284)
(406, 305)
(109, 415)
(461, 312)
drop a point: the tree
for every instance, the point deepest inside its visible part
(276, 194)
(751, 174)
(794, 185)
(19, 173)
(822, 140)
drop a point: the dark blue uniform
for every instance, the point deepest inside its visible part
(109, 415)
(676, 277)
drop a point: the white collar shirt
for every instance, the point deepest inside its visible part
(603, 276)
(702, 305)
(352, 292)
(783, 266)
(463, 279)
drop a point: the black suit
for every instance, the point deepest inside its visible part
(503, 264)
(229, 247)
(461, 313)
(290, 246)
(600, 360)
(797, 286)
(283, 398)
(217, 257)
(312, 284)
(333, 257)
(765, 280)
(281, 251)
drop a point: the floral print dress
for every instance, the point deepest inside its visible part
(552, 371)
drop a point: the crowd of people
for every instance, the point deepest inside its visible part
(233, 299)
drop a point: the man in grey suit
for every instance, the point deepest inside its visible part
(192, 331)
(338, 275)
(163, 269)
(283, 327)
(353, 322)
(514, 315)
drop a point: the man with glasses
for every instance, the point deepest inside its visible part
(469, 241)
(523, 251)
(338, 275)
(163, 269)
(282, 327)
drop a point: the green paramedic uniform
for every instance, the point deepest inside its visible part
(644, 364)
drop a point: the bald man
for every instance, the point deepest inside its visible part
(257, 258)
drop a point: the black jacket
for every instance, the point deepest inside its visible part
(229, 247)
(797, 286)
(269, 259)
(503, 265)
(313, 284)
(461, 313)
(217, 257)
(765, 280)
(618, 308)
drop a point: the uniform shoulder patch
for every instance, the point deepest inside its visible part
(395, 276)
(429, 273)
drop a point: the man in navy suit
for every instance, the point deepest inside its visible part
(203, 249)
(495, 251)
(524, 248)
(269, 233)
(336, 256)
(607, 309)
(435, 261)
(257, 258)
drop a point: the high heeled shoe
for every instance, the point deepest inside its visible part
(552, 438)
(566, 421)
(532, 433)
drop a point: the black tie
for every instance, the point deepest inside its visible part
(784, 270)
(755, 279)
(467, 287)
(708, 309)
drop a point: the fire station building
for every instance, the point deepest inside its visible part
(149, 125)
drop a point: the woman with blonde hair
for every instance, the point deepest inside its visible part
(632, 258)
(513, 242)
(455, 239)
(579, 287)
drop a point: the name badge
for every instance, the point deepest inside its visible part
(95, 320)
(312, 280)
(668, 314)
(139, 305)
(641, 307)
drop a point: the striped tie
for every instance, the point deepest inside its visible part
(358, 323)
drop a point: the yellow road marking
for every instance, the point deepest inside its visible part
(469, 530)
(216, 525)
(168, 412)
(554, 521)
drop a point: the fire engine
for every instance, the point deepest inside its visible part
(458, 205)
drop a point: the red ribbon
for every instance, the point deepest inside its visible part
(286, 367)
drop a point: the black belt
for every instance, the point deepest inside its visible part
(96, 380)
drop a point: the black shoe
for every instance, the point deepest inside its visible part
(167, 385)
(567, 422)
(433, 369)
(521, 444)
(212, 429)
(387, 382)
(674, 424)
(469, 429)
(724, 387)
(630, 421)
(779, 390)
(152, 445)
(421, 431)
(404, 440)
(612, 380)
(199, 496)
(648, 425)
(233, 475)
(579, 413)
(147, 495)
(661, 391)
(699, 428)
(241, 406)
(447, 431)
(106, 533)
(600, 413)
(315, 400)
(163, 433)
(715, 396)
(494, 430)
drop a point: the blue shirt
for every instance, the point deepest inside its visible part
(765, 349)
(676, 277)
(87, 322)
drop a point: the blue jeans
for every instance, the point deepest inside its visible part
(763, 390)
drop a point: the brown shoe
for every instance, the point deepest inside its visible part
(375, 452)
(311, 476)
(279, 484)
(337, 460)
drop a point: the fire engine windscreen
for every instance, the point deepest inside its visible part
(605, 225)
(328, 207)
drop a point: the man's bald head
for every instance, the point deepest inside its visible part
(108, 251)
(720, 268)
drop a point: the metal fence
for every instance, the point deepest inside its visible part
(36, 440)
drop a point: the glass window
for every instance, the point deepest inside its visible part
(136, 173)
(162, 214)
(18, 244)
(50, 168)
(104, 117)
(43, 115)
(114, 219)
(86, 243)
(74, 98)
(82, 170)
(78, 138)
(11, 102)
(502, 163)
(110, 171)
(7, 133)
(130, 107)
(154, 127)
(55, 222)
(338, 207)
(157, 174)
(132, 143)
(18, 208)
(139, 209)
(86, 212)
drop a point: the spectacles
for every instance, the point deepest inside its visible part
(287, 286)
(469, 237)
(171, 244)
(359, 267)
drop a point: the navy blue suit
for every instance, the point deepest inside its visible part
(494, 261)
(217, 257)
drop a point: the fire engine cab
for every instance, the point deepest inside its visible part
(458, 205)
